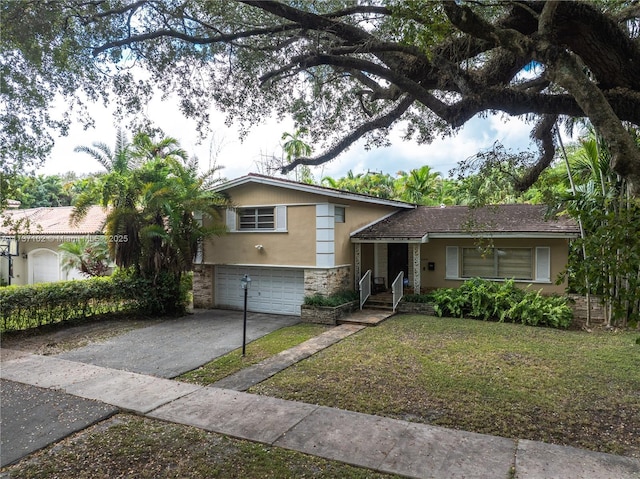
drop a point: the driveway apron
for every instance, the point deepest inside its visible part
(172, 347)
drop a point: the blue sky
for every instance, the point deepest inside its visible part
(241, 158)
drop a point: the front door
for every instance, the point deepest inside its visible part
(398, 260)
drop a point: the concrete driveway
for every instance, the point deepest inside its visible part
(175, 346)
(33, 417)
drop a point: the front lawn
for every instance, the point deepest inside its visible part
(256, 351)
(564, 387)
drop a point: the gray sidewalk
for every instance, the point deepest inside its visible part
(388, 445)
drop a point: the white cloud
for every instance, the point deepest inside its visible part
(240, 158)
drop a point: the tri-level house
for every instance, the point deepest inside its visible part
(294, 239)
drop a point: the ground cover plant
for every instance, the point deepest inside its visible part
(256, 351)
(479, 298)
(332, 300)
(563, 387)
(136, 447)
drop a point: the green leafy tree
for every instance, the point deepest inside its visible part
(381, 185)
(41, 190)
(419, 185)
(347, 72)
(606, 260)
(159, 212)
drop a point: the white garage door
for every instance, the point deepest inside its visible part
(45, 266)
(272, 290)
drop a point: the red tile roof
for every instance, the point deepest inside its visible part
(520, 219)
(53, 221)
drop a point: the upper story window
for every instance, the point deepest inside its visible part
(339, 214)
(256, 218)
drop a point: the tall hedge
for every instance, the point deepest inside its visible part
(30, 306)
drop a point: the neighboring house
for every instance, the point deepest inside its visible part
(40, 232)
(295, 239)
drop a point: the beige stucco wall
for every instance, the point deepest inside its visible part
(356, 217)
(435, 251)
(255, 194)
(297, 246)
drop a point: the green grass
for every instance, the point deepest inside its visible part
(136, 447)
(256, 351)
(564, 387)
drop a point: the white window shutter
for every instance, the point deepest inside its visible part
(543, 263)
(452, 263)
(231, 219)
(281, 218)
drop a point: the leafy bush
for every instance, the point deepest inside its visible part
(30, 306)
(482, 299)
(23, 307)
(418, 298)
(332, 300)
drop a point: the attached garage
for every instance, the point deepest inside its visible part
(273, 290)
(44, 266)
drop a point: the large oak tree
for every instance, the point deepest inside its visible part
(341, 69)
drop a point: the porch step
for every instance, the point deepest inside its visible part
(367, 317)
(382, 301)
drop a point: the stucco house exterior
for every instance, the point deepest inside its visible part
(40, 232)
(294, 239)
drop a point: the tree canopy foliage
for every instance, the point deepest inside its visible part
(345, 71)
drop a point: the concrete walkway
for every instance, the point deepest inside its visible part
(248, 377)
(383, 444)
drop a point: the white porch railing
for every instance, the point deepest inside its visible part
(365, 288)
(398, 289)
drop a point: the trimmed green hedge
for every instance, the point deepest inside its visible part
(505, 302)
(30, 306)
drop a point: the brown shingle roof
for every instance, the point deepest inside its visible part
(54, 221)
(424, 221)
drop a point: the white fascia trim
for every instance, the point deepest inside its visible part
(312, 189)
(503, 235)
(391, 240)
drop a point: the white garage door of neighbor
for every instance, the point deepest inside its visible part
(46, 266)
(272, 290)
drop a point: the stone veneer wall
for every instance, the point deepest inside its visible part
(416, 308)
(203, 286)
(327, 315)
(579, 306)
(327, 281)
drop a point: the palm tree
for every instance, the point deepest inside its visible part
(294, 148)
(145, 148)
(89, 256)
(160, 211)
(117, 159)
(419, 186)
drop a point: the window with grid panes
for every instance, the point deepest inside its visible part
(256, 219)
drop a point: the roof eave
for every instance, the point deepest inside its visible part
(510, 234)
(311, 189)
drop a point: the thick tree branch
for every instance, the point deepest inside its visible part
(384, 121)
(543, 135)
